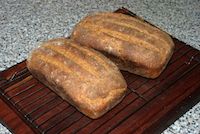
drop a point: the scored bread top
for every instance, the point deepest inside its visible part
(78, 74)
(125, 37)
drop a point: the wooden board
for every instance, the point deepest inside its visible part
(28, 106)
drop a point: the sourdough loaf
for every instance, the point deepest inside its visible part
(82, 76)
(133, 44)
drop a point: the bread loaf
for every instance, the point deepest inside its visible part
(82, 76)
(133, 44)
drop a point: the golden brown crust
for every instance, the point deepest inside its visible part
(82, 76)
(132, 41)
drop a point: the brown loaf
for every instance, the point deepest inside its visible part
(133, 44)
(82, 76)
